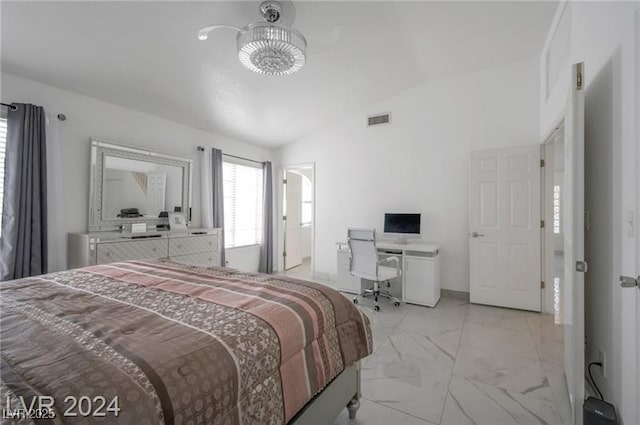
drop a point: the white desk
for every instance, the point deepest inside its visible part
(420, 264)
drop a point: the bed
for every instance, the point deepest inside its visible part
(179, 344)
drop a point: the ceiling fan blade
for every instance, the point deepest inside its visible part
(203, 33)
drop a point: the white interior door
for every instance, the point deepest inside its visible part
(638, 321)
(293, 214)
(637, 212)
(636, 233)
(504, 226)
(574, 242)
(635, 217)
(156, 190)
(637, 291)
(111, 199)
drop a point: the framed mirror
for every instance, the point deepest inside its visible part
(130, 185)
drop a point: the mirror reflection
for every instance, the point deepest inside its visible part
(133, 188)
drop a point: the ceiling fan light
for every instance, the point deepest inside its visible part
(269, 49)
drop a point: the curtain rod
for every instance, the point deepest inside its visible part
(12, 107)
(201, 149)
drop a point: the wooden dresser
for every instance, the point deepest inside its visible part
(199, 247)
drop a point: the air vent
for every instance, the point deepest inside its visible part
(379, 119)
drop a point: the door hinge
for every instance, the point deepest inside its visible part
(284, 253)
(284, 217)
(587, 221)
(579, 77)
(284, 181)
(579, 81)
(542, 284)
(542, 163)
(542, 223)
(581, 266)
(629, 282)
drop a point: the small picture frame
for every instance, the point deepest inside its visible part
(177, 221)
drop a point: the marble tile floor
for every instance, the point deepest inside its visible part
(462, 364)
(303, 271)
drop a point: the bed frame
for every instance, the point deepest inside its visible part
(324, 408)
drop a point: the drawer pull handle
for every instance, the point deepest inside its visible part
(154, 249)
(108, 254)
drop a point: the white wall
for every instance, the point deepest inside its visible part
(419, 162)
(87, 118)
(245, 258)
(602, 36)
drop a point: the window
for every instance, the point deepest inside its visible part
(242, 204)
(3, 149)
(307, 202)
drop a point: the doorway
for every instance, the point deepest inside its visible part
(298, 220)
(553, 245)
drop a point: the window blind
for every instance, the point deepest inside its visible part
(3, 150)
(242, 204)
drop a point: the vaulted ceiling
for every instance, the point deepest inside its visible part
(145, 55)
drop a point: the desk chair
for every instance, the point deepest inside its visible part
(365, 264)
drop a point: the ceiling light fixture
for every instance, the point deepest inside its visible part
(265, 47)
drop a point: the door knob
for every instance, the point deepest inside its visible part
(476, 234)
(629, 282)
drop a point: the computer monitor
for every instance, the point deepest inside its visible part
(402, 226)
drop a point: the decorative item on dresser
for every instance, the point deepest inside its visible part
(199, 247)
(177, 221)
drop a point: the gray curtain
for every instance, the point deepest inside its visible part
(266, 251)
(23, 244)
(217, 184)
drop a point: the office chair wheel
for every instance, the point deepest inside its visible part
(355, 301)
(376, 307)
(397, 303)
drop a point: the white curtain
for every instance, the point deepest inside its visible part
(206, 187)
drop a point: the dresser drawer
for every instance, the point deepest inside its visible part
(202, 259)
(109, 252)
(192, 245)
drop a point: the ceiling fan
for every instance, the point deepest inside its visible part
(271, 47)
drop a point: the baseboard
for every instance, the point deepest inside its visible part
(325, 276)
(458, 295)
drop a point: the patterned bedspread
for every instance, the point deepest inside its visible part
(175, 344)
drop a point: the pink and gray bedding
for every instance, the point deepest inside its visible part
(176, 344)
